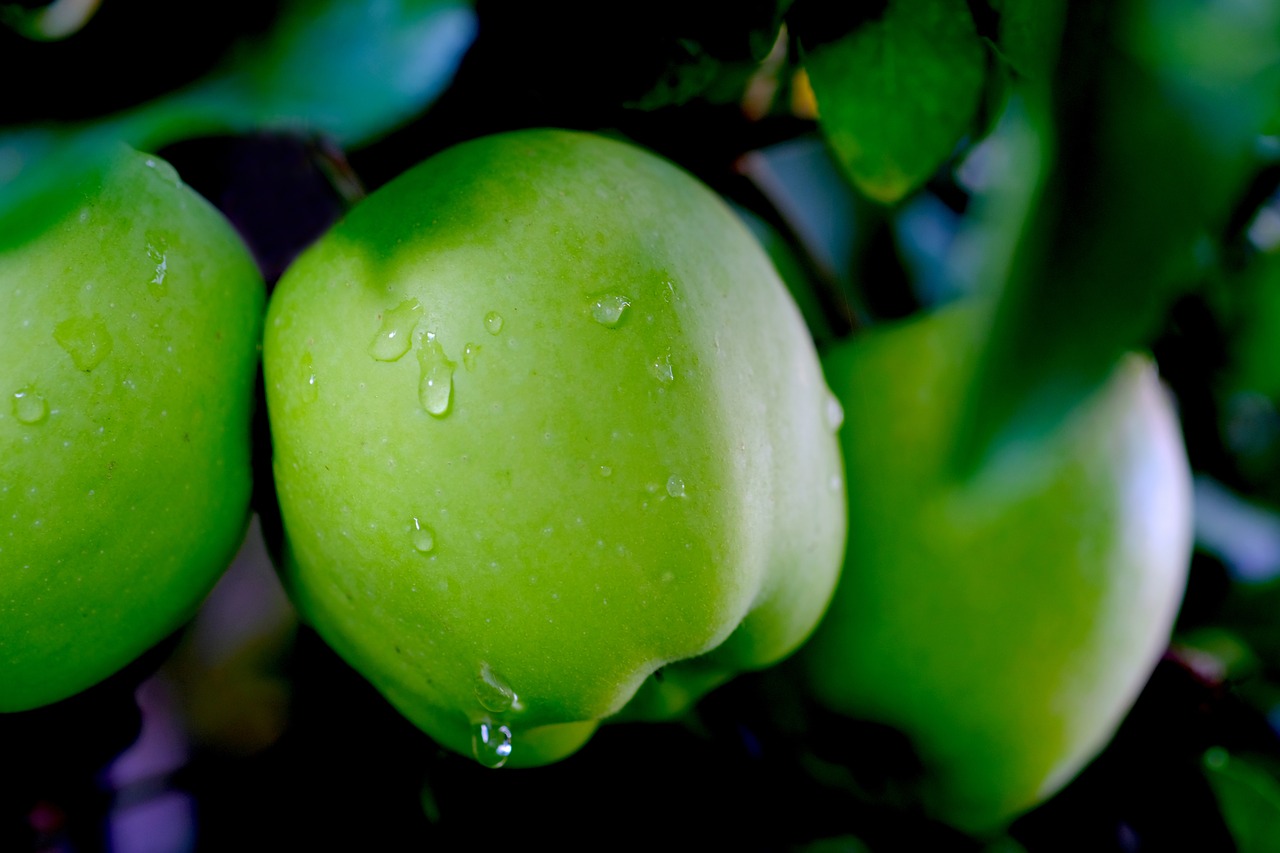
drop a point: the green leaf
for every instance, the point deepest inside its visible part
(41, 174)
(350, 70)
(896, 95)
(1156, 117)
(1252, 314)
(1249, 798)
(1029, 34)
(343, 68)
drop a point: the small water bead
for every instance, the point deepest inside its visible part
(310, 386)
(424, 538)
(490, 744)
(164, 169)
(469, 353)
(675, 486)
(834, 412)
(606, 471)
(29, 407)
(393, 337)
(157, 252)
(493, 322)
(85, 339)
(661, 368)
(493, 693)
(435, 386)
(607, 309)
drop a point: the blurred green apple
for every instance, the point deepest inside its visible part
(546, 422)
(129, 344)
(1007, 623)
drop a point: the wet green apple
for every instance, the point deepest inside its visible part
(1006, 623)
(129, 346)
(545, 422)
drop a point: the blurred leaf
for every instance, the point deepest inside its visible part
(1252, 312)
(1156, 117)
(1243, 535)
(1029, 34)
(343, 68)
(351, 70)
(802, 183)
(57, 20)
(762, 39)
(41, 175)
(793, 274)
(1249, 798)
(696, 74)
(712, 52)
(896, 95)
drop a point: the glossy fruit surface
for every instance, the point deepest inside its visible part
(545, 421)
(128, 350)
(1005, 624)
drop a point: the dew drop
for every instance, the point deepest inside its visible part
(435, 385)
(157, 252)
(607, 309)
(834, 412)
(493, 693)
(424, 539)
(606, 471)
(310, 387)
(491, 744)
(469, 353)
(29, 407)
(164, 169)
(392, 339)
(661, 368)
(675, 486)
(85, 339)
(493, 322)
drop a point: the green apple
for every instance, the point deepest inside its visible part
(545, 421)
(129, 344)
(1006, 623)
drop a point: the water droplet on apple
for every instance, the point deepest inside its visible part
(392, 340)
(493, 322)
(606, 471)
(661, 368)
(469, 353)
(834, 412)
(85, 339)
(29, 407)
(493, 693)
(490, 744)
(424, 538)
(675, 486)
(607, 309)
(435, 386)
(164, 169)
(157, 251)
(310, 387)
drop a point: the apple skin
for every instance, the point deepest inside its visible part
(604, 494)
(1006, 624)
(129, 344)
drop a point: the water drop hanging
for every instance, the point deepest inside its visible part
(435, 384)
(490, 743)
